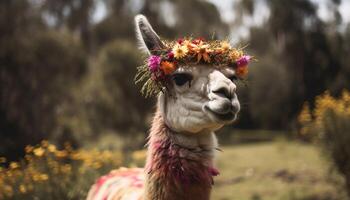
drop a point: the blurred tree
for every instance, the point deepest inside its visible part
(118, 23)
(36, 68)
(199, 18)
(170, 19)
(107, 100)
(73, 14)
(306, 50)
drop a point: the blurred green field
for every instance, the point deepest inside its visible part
(273, 170)
(270, 168)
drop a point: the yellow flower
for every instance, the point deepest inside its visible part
(14, 165)
(305, 114)
(61, 154)
(236, 54)
(225, 46)
(44, 143)
(44, 177)
(2, 159)
(51, 148)
(180, 51)
(39, 151)
(22, 189)
(28, 149)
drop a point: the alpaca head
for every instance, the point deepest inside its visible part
(198, 98)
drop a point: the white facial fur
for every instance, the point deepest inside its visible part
(205, 103)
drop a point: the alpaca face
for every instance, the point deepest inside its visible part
(199, 98)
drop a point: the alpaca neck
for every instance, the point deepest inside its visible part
(179, 165)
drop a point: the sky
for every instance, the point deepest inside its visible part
(225, 8)
(262, 13)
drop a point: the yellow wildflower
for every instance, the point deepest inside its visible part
(305, 115)
(236, 54)
(22, 189)
(61, 154)
(180, 51)
(36, 177)
(28, 149)
(225, 46)
(51, 148)
(39, 151)
(44, 143)
(14, 165)
(44, 177)
(2, 159)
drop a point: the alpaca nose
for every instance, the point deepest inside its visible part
(220, 87)
(223, 92)
(226, 90)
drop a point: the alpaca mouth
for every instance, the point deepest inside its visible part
(220, 117)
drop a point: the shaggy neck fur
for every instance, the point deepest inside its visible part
(179, 165)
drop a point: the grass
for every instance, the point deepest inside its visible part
(277, 170)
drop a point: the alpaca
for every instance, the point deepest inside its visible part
(181, 146)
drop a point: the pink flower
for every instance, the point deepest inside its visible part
(154, 63)
(180, 41)
(243, 61)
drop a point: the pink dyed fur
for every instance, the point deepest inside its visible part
(172, 172)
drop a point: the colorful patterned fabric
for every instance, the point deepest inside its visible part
(121, 184)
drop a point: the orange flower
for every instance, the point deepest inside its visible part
(202, 51)
(242, 71)
(167, 67)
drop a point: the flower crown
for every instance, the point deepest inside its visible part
(156, 70)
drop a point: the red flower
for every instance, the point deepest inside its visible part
(198, 40)
(180, 40)
(170, 55)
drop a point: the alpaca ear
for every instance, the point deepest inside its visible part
(147, 37)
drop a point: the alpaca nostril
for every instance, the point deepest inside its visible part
(224, 92)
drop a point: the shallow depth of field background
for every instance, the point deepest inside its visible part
(70, 111)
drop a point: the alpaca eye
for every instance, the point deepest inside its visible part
(181, 79)
(233, 78)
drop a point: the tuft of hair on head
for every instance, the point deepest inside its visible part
(147, 38)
